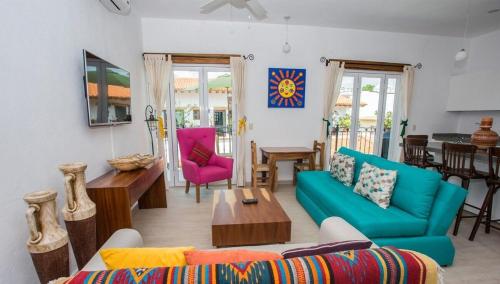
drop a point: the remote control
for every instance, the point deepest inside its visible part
(249, 201)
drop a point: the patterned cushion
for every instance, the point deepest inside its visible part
(383, 265)
(376, 184)
(226, 256)
(200, 154)
(326, 248)
(342, 168)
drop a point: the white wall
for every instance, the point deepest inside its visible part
(43, 118)
(484, 56)
(299, 127)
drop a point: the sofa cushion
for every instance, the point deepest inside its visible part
(359, 157)
(342, 168)
(117, 258)
(376, 184)
(327, 248)
(415, 188)
(195, 257)
(200, 154)
(336, 199)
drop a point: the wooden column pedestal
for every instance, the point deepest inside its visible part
(51, 265)
(48, 242)
(79, 213)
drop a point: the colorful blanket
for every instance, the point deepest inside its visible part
(382, 265)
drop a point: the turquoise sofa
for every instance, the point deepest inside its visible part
(421, 211)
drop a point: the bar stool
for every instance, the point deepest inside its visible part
(493, 183)
(455, 164)
(319, 149)
(415, 152)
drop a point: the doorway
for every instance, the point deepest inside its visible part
(364, 113)
(200, 96)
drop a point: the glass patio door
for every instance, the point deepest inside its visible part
(364, 112)
(200, 96)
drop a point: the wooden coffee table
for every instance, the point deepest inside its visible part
(237, 224)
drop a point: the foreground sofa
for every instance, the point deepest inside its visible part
(377, 265)
(421, 211)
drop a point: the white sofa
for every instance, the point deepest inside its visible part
(333, 229)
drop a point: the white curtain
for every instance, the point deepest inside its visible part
(158, 68)
(238, 73)
(333, 81)
(404, 107)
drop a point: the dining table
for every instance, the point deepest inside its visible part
(270, 155)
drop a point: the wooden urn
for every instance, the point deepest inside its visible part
(79, 213)
(48, 242)
(484, 137)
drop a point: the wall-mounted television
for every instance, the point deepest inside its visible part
(107, 89)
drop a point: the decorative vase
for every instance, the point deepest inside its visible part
(48, 242)
(79, 213)
(484, 137)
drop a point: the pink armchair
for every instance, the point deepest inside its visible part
(218, 168)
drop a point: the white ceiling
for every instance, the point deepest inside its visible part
(438, 17)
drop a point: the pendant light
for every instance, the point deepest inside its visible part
(462, 53)
(287, 47)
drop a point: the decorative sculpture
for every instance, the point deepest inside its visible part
(79, 213)
(484, 137)
(48, 242)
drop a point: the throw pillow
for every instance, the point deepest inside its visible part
(376, 184)
(225, 256)
(326, 248)
(200, 154)
(118, 258)
(342, 168)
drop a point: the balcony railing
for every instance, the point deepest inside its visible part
(224, 140)
(365, 138)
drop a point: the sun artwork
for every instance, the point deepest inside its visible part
(286, 88)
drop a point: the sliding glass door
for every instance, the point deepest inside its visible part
(200, 96)
(364, 112)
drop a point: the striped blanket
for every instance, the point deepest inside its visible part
(381, 265)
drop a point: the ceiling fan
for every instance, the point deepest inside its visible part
(251, 5)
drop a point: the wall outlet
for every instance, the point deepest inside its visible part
(413, 127)
(250, 126)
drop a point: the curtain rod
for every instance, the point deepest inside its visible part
(249, 56)
(327, 61)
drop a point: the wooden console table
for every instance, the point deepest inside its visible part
(115, 192)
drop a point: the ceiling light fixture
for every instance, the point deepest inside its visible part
(462, 53)
(287, 47)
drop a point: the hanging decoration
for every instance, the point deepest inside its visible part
(286, 88)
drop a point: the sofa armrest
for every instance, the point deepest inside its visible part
(190, 170)
(336, 229)
(223, 162)
(123, 238)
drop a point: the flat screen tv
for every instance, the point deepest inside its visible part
(107, 89)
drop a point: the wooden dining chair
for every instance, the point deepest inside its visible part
(261, 173)
(458, 161)
(493, 183)
(415, 152)
(319, 149)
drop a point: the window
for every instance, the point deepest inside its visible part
(364, 113)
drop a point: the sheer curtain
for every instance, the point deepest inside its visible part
(158, 68)
(238, 73)
(333, 81)
(404, 108)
